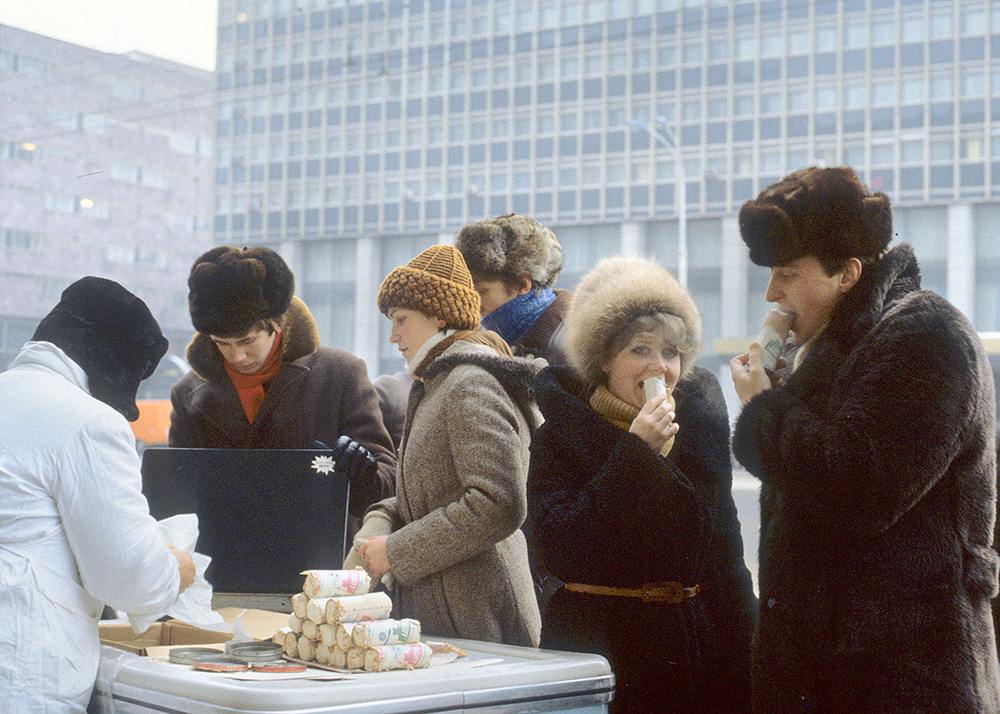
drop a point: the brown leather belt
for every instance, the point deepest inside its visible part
(650, 592)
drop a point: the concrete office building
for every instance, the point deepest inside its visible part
(351, 134)
(105, 169)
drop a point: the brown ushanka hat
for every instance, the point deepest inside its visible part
(436, 283)
(231, 289)
(823, 212)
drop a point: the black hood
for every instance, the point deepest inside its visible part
(111, 334)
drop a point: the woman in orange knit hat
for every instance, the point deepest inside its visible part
(450, 539)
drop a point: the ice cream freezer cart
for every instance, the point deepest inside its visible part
(489, 679)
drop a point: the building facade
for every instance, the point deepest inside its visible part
(351, 134)
(105, 169)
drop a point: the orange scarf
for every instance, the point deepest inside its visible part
(250, 387)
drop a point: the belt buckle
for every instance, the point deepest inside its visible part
(667, 592)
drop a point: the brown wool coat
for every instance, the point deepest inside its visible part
(457, 554)
(318, 394)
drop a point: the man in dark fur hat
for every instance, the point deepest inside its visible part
(75, 530)
(878, 468)
(261, 380)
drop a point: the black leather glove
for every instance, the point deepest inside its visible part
(352, 459)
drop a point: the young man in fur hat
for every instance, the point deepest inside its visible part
(514, 260)
(877, 464)
(75, 530)
(261, 380)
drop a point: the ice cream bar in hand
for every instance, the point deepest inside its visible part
(653, 386)
(772, 336)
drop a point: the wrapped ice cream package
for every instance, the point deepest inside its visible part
(342, 635)
(773, 335)
(409, 656)
(385, 632)
(358, 608)
(653, 387)
(356, 658)
(335, 583)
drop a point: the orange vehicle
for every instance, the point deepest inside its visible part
(153, 400)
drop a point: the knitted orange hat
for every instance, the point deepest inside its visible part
(436, 283)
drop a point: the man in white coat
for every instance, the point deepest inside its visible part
(75, 529)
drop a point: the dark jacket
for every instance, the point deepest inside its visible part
(878, 467)
(545, 338)
(607, 510)
(318, 394)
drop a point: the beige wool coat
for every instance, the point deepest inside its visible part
(457, 552)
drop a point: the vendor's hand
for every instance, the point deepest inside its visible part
(352, 459)
(655, 422)
(185, 564)
(374, 556)
(749, 376)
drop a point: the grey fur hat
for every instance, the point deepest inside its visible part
(511, 245)
(823, 212)
(612, 295)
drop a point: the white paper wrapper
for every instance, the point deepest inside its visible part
(295, 624)
(316, 609)
(386, 657)
(291, 645)
(300, 603)
(338, 658)
(343, 633)
(772, 337)
(331, 583)
(307, 649)
(328, 634)
(385, 632)
(323, 653)
(311, 630)
(358, 608)
(356, 658)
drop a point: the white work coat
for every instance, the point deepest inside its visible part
(75, 532)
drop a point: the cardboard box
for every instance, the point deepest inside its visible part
(160, 638)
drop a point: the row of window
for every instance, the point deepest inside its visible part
(610, 201)
(549, 23)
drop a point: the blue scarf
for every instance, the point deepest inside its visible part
(515, 317)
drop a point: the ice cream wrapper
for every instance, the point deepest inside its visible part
(358, 608)
(385, 632)
(334, 583)
(409, 656)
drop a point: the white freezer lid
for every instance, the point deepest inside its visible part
(524, 675)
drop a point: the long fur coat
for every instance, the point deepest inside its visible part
(877, 505)
(607, 510)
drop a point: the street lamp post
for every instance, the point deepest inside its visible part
(669, 140)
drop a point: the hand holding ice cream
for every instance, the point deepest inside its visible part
(754, 371)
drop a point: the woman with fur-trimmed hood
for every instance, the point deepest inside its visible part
(631, 504)
(450, 538)
(261, 380)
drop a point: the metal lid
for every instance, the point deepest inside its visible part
(254, 651)
(186, 655)
(220, 663)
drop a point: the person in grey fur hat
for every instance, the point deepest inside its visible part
(75, 529)
(514, 261)
(260, 379)
(877, 464)
(630, 500)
